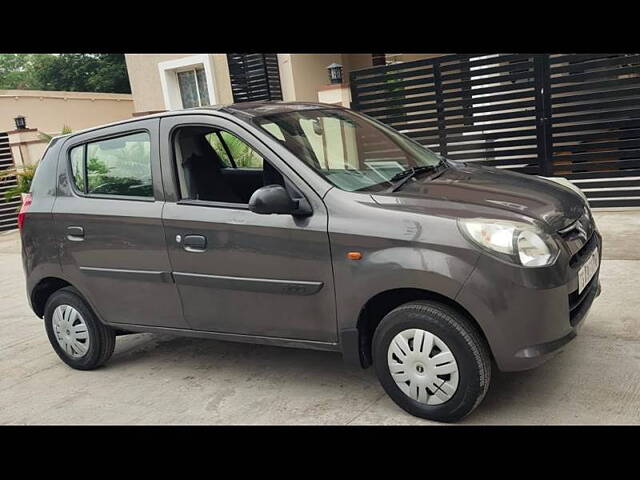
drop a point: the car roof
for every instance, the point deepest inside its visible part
(245, 111)
(258, 109)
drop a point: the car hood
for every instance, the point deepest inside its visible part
(464, 190)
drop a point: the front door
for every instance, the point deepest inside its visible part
(108, 216)
(236, 271)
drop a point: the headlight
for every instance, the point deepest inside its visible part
(517, 242)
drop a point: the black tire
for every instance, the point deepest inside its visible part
(465, 343)
(102, 339)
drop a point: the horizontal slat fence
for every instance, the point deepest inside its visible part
(565, 115)
(595, 125)
(8, 210)
(254, 77)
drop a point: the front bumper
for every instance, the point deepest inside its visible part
(528, 317)
(539, 353)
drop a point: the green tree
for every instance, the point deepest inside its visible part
(74, 72)
(16, 71)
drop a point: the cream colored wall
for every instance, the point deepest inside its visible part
(355, 61)
(286, 77)
(308, 73)
(338, 95)
(50, 111)
(27, 147)
(223, 79)
(144, 77)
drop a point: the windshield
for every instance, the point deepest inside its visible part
(349, 150)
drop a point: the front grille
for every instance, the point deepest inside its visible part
(581, 255)
(581, 239)
(579, 304)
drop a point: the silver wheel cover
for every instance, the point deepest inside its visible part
(71, 331)
(423, 366)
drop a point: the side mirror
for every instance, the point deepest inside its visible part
(272, 199)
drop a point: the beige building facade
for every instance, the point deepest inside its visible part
(156, 78)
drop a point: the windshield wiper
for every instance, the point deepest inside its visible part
(406, 175)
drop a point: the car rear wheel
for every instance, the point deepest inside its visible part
(432, 361)
(77, 336)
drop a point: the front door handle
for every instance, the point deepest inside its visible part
(194, 243)
(75, 233)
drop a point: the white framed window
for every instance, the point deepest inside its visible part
(188, 82)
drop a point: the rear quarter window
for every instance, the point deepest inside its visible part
(76, 156)
(44, 179)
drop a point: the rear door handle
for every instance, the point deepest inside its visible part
(75, 233)
(195, 243)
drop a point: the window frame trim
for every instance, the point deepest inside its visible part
(301, 176)
(105, 196)
(226, 149)
(213, 203)
(169, 78)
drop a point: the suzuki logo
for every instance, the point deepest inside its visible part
(582, 232)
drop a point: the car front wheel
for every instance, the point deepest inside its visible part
(432, 361)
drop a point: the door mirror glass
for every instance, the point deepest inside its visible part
(272, 199)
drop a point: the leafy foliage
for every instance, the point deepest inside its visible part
(74, 72)
(243, 155)
(23, 178)
(65, 130)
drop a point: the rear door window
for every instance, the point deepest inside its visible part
(115, 166)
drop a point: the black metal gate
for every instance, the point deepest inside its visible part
(575, 116)
(8, 209)
(254, 76)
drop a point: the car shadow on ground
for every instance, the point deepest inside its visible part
(234, 358)
(187, 358)
(523, 397)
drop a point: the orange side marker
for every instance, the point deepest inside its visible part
(354, 255)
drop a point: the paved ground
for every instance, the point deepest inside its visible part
(158, 379)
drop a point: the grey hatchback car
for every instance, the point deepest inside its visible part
(311, 226)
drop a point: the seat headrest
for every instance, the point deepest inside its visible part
(193, 143)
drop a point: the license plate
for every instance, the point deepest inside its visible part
(588, 270)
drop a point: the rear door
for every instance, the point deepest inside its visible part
(251, 274)
(108, 218)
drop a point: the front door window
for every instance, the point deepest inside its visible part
(217, 166)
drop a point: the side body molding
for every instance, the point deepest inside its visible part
(263, 285)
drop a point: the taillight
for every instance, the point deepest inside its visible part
(26, 203)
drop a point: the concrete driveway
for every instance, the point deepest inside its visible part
(159, 379)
